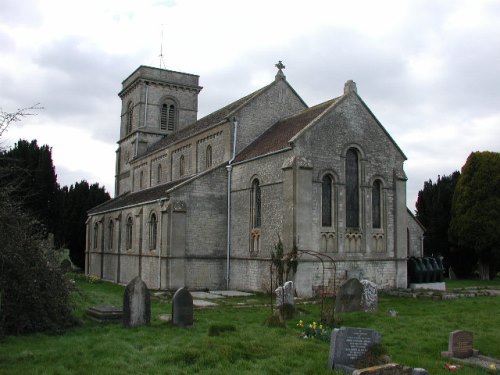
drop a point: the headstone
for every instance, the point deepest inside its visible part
(347, 345)
(349, 297)
(182, 308)
(369, 298)
(355, 274)
(136, 304)
(285, 294)
(460, 344)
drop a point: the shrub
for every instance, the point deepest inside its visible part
(34, 295)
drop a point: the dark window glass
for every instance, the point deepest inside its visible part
(152, 232)
(129, 233)
(171, 117)
(376, 212)
(110, 234)
(352, 189)
(256, 204)
(326, 202)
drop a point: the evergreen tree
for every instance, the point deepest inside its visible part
(76, 201)
(475, 220)
(29, 172)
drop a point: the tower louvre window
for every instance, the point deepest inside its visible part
(168, 116)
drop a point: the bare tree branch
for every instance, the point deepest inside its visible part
(6, 118)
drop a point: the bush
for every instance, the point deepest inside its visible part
(34, 295)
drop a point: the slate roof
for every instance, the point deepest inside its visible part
(278, 136)
(142, 196)
(204, 123)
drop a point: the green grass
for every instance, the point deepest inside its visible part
(415, 337)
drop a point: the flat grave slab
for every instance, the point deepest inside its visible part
(105, 313)
(231, 293)
(205, 295)
(203, 303)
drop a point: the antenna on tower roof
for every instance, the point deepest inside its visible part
(162, 62)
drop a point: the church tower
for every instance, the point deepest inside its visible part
(155, 103)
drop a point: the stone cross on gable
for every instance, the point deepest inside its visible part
(280, 74)
(280, 65)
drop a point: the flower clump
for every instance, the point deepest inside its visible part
(314, 330)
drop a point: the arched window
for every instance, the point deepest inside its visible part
(158, 174)
(141, 179)
(352, 188)
(128, 234)
(167, 116)
(182, 166)
(326, 201)
(208, 157)
(153, 230)
(130, 116)
(96, 234)
(110, 234)
(376, 205)
(256, 204)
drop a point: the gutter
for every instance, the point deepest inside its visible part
(229, 168)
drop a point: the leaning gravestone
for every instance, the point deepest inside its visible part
(182, 308)
(369, 298)
(136, 304)
(349, 297)
(348, 344)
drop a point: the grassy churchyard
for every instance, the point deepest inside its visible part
(415, 337)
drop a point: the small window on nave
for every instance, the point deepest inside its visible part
(158, 174)
(208, 157)
(153, 231)
(182, 166)
(128, 233)
(256, 204)
(326, 201)
(376, 205)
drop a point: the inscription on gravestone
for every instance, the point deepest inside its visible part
(460, 344)
(348, 344)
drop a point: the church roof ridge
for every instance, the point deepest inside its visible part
(212, 119)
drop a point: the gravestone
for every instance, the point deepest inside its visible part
(349, 297)
(459, 345)
(285, 294)
(348, 344)
(369, 298)
(182, 308)
(136, 304)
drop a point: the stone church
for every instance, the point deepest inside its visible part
(202, 203)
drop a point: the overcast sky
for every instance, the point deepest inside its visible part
(429, 70)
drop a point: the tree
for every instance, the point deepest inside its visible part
(434, 212)
(29, 169)
(76, 201)
(475, 222)
(34, 295)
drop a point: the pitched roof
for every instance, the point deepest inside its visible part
(277, 137)
(131, 199)
(206, 122)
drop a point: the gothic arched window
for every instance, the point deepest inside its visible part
(352, 188)
(153, 230)
(376, 205)
(208, 157)
(110, 234)
(326, 201)
(130, 116)
(168, 116)
(256, 204)
(128, 234)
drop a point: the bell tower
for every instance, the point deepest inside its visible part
(155, 103)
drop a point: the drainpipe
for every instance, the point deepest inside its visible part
(229, 168)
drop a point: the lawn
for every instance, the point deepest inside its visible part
(415, 337)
